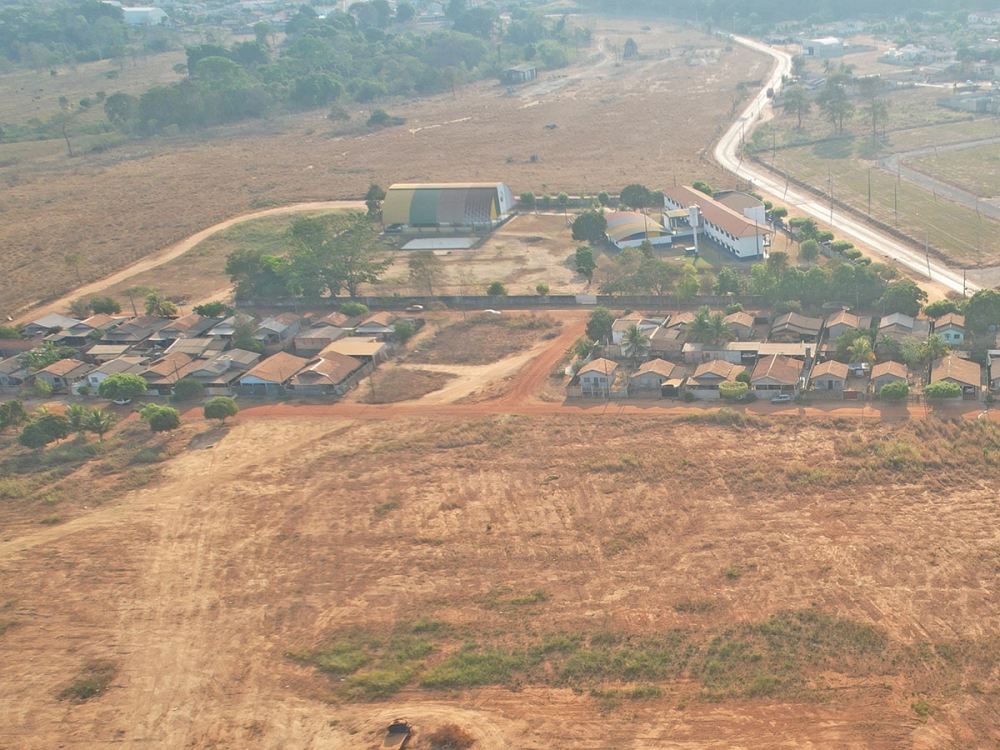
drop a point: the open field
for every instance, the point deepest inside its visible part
(974, 169)
(484, 339)
(120, 205)
(530, 579)
(392, 384)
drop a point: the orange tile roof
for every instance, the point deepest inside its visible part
(719, 214)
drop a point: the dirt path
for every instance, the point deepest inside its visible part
(175, 251)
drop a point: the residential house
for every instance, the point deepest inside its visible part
(680, 321)
(329, 375)
(192, 325)
(744, 352)
(380, 325)
(130, 365)
(12, 373)
(776, 374)
(203, 347)
(962, 372)
(101, 353)
(136, 331)
(367, 350)
(704, 383)
(48, 323)
(651, 375)
(15, 347)
(268, 377)
(313, 341)
(899, 325)
(888, 372)
(339, 320)
(829, 376)
(65, 374)
(666, 341)
(741, 324)
(993, 367)
(621, 326)
(219, 373)
(951, 329)
(795, 327)
(840, 323)
(276, 330)
(225, 329)
(162, 373)
(597, 376)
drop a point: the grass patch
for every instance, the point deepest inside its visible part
(403, 384)
(94, 679)
(694, 606)
(383, 509)
(724, 418)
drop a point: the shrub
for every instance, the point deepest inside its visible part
(104, 304)
(122, 386)
(942, 389)
(542, 288)
(160, 418)
(734, 308)
(353, 309)
(733, 390)
(496, 289)
(186, 389)
(213, 309)
(46, 429)
(450, 737)
(220, 408)
(405, 331)
(895, 391)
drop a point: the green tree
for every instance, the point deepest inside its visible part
(122, 386)
(582, 347)
(687, 287)
(709, 328)
(732, 391)
(860, 350)
(353, 309)
(496, 289)
(404, 12)
(902, 296)
(603, 198)
(942, 389)
(744, 377)
(895, 391)
(542, 289)
(599, 324)
(873, 90)
(48, 428)
(982, 311)
(221, 408)
(939, 308)
(527, 199)
(797, 102)
(798, 65)
(563, 200)
(590, 226)
(835, 105)
(635, 343)
(934, 348)
(12, 414)
(809, 251)
(635, 196)
(727, 282)
(74, 261)
(77, 416)
(44, 355)
(336, 252)
(160, 418)
(374, 198)
(187, 389)
(157, 304)
(426, 269)
(79, 308)
(213, 309)
(244, 328)
(585, 263)
(105, 305)
(404, 330)
(99, 422)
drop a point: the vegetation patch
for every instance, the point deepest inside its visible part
(94, 679)
(484, 339)
(394, 384)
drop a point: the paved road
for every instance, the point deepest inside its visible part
(727, 153)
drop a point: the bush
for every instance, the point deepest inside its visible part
(44, 430)
(942, 390)
(104, 305)
(734, 308)
(353, 309)
(450, 737)
(220, 408)
(186, 389)
(542, 289)
(213, 309)
(497, 289)
(40, 389)
(160, 418)
(122, 386)
(405, 331)
(895, 391)
(732, 391)
(527, 199)
(381, 119)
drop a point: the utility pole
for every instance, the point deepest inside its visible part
(895, 204)
(831, 200)
(869, 191)
(927, 249)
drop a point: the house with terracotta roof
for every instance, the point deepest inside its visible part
(888, 372)
(64, 374)
(951, 328)
(219, 373)
(161, 374)
(380, 325)
(741, 324)
(268, 378)
(725, 227)
(329, 375)
(776, 374)
(829, 376)
(313, 341)
(622, 324)
(12, 373)
(704, 383)
(961, 372)
(274, 331)
(666, 341)
(651, 375)
(597, 376)
(840, 323)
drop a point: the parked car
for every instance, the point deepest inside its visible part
(415, 308)
(781, 398)
(122, 401)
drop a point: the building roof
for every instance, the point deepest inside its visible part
(63, 367)
(784, 370)
(198, 347)
(11, 366)
(108, 350)
(277, 368)
(715, 370)
(131, 365)
(600, 365)
(740, 318)
(736, 200)
(719, 214)
(796, 323)
(903, 322)
(355, 346)
(953, 320)
(624, 226)
(169, 368)
(680, 319)
(321, 333)
(831, 367)
(422, 204)
(962, 371)
(656, 366)
(55, 320)
(849, 319)
(897, 369)
(101, 321)
(333, 319)
(330, 369)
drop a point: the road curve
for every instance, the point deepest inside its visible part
(175, 251)
(727, 154)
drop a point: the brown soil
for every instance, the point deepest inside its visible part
(393, 384)
(484, 338)
(122, 205)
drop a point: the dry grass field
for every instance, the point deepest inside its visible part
(615, 123)
(548, 581)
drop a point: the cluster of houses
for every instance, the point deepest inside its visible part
(789, 354)
(322, 355)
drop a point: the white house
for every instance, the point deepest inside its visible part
(597, 376)
(729, 229)
(144, 16)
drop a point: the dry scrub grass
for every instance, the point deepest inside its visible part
(484, 339)
(392, 384)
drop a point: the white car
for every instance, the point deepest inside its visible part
(781, 398)
(122, 401)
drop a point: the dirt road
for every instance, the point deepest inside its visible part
(175, 251)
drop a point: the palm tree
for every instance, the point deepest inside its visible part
(77, 416)
(635, 342)
(886, 347)
(157, 304)
(934, 348)
(709, 328)
(99, 422)
(861, 350)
